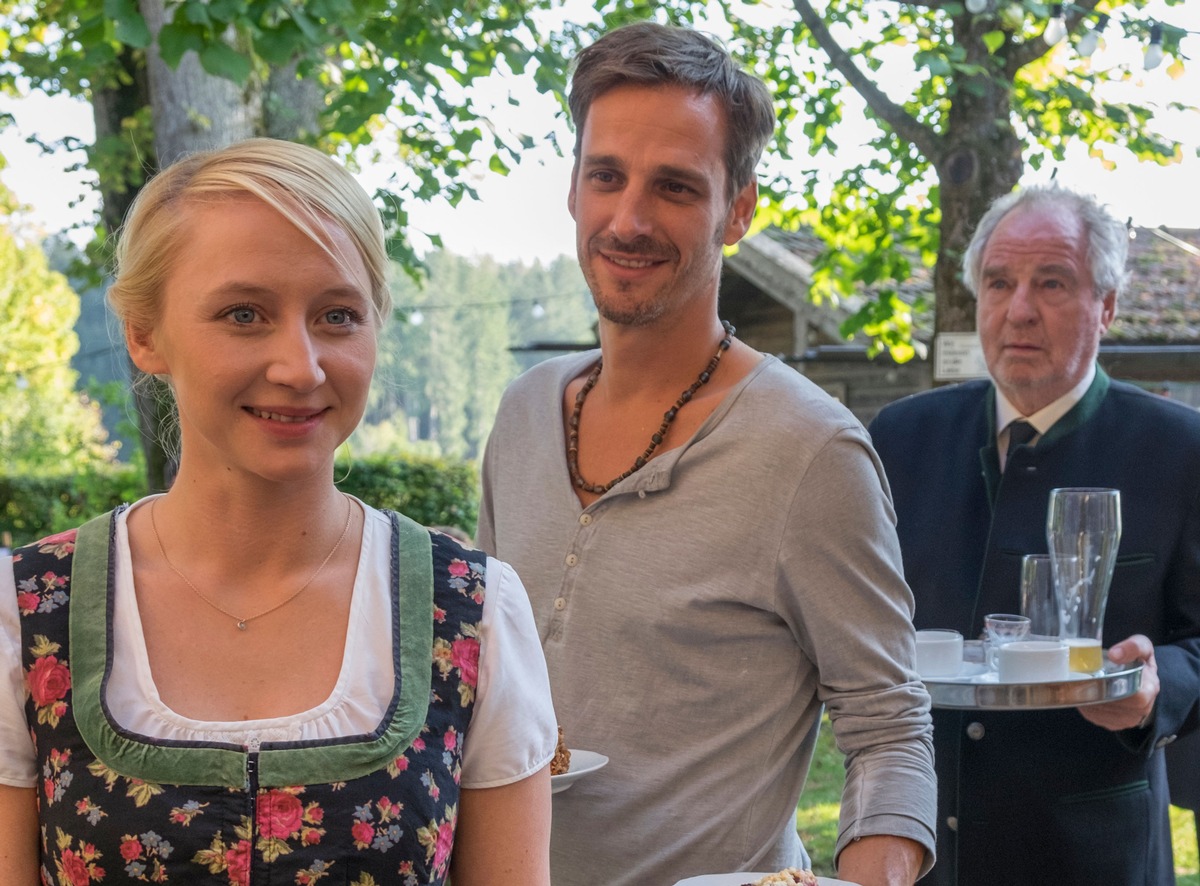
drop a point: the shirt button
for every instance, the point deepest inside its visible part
(572, 560)
(585, 519)
(560, 604)
(641, 493)
(952, 822)
(975, 731)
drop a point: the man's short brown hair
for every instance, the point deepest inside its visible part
(650, 54)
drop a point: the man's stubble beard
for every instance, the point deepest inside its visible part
(650, 310)
(638, 314)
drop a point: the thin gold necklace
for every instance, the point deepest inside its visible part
(242, 620)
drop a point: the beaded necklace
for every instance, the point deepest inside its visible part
(655, 439)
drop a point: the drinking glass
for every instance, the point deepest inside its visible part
(1083, 530)
(1000, 629)
(1038, 600)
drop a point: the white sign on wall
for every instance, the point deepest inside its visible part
(958, 356)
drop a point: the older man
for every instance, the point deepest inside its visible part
(1073, 796)
(706, 568)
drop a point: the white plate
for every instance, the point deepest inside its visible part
(745, 877)
(582, 762)
(968, 671)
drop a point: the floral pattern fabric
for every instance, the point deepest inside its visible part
(395, 825)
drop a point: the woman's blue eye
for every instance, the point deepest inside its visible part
(242, 315)
(343, 317)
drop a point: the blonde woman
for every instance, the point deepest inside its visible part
(254, 677)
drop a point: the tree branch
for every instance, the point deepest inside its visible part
(1024, 53)
(903, 123)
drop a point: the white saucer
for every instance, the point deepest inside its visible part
(745, 877)
(582, 762)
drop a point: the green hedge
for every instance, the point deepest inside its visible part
(34, 507)
(434, 492)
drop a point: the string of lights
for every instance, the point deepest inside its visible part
(415, 314)
(1057, 28)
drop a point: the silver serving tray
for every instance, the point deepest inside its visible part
(981, 691)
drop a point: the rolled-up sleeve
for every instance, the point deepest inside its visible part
(857, 629)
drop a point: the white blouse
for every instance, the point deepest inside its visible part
(513, 728)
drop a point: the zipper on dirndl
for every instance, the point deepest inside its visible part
(252, 751)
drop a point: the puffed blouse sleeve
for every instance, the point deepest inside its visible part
(513, 729)
(18, 766)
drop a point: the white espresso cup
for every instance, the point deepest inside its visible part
(939, 653)
(1031, 661)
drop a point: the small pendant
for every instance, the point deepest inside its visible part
(242, 625)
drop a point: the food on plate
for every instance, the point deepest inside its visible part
(787, 877)
(562, 756)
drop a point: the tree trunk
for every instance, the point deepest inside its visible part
(194, 110)
(982, 161)
(113, 104)
(292, 106)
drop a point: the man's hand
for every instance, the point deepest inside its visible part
(1134, 710)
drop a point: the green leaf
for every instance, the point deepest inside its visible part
(115, 9)
(196, 14)
(225, 10)
(993, 40)
(221, 60)
(177, 38)
(969, 70)
(128, 25)
(280, 45)
(133, 31)
(307, 25)
(936, 63)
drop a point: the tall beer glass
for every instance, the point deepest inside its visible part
(1083, 530)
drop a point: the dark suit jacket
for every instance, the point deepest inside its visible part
(1183, 772)
(1044, 796)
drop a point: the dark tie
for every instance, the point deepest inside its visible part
(1020, 432)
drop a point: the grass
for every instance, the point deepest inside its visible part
(817, 816)
(1183, 835)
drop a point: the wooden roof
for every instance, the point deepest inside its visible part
(1160, 305)
(1161, 302)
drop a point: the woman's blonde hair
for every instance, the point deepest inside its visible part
(305, 186)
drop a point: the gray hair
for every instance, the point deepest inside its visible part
(1107, 238)
(650, 54)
